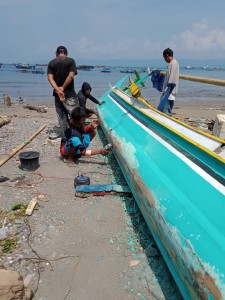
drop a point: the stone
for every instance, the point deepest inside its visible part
(12, 286)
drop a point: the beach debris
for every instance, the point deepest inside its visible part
(2, 162)
(3, 178)
(20, 100)
(40, 109)
(103, 188)
(4, 120)
(53, 135)
(12, 286)
(6, 100)
(31, 207)
(134, 263)
(200, 123)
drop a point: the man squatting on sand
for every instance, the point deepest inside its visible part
(78, 137)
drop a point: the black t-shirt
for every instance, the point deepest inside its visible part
(60, 68)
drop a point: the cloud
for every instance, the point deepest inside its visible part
(123, 48)
(201, 38)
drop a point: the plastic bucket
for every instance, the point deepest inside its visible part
(29, 160)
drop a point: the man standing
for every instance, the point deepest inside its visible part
(61, 72)
(172, 77)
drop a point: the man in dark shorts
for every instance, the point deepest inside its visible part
(61, 72)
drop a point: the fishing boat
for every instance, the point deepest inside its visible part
(177, 176)
(106, 70)
(38, 71)
(25, 66)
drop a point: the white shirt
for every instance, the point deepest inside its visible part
(172, 76)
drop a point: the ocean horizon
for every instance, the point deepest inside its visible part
(35, 87)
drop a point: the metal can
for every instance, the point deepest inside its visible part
(108, 147)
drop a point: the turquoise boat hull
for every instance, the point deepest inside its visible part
(180, 191)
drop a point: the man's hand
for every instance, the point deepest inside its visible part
(104, 152)
(94, 124)
(101, 102)
(61, 93)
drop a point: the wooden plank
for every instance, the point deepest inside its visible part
(31, 207)
(213, 81)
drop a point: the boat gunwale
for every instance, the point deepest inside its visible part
(209, 152)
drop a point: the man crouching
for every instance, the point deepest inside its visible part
(78, 137)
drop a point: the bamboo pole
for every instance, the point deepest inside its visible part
(213, 81)
(22, 145)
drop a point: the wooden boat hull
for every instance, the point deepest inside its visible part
(182, 203)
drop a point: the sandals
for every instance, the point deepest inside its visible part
(69, 163)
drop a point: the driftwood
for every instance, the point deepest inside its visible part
(40, 109)
(22, 145)
(4, 120)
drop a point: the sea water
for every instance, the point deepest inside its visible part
(35, 87)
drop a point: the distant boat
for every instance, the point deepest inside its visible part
(25, 66)
(85, 68)
(207, 68)
(106, 70)
(38, 71)
(189, 67)
(127, 71)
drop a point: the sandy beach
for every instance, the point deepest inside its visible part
(97, 247)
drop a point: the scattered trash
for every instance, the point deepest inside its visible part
(134, 263)
(3, 178)
(31, 207)
(40, 109)
(4, 120)
(53, 135)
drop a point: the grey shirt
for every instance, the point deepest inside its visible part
(172, 76)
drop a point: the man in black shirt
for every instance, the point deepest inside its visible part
(61, 72)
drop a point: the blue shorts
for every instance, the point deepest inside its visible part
(76, 143)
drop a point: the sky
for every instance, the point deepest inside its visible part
(111, 29)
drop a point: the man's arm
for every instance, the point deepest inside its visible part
(55, 86)
(69, 78)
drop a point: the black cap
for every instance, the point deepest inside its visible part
(61, 49)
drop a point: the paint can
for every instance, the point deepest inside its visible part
(81, 179)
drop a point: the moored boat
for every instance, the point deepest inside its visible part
(25, 66)
(177, 176)
(106, 70)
